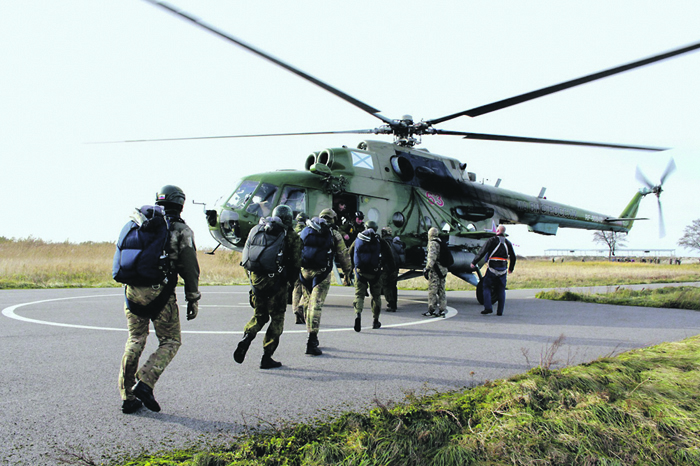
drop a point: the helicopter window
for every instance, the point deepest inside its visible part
(295, 198)
(398, 219)
(242, 194)
(261, 204)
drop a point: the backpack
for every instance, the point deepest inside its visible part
(141, 257)
(264, 249)
(446, 259)
(317, 250)
(368, 255)
(398, 249)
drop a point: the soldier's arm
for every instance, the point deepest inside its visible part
(187, 265)
(341, 253)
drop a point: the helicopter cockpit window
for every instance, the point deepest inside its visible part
(261, 204)
(242, 194)
(295, 198)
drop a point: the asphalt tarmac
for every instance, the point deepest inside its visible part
(61, 351)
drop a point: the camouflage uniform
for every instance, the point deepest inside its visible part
(183, 257)
(313, 300)
(390, 272)
(436, 272)
(297, 293)
(270, 295)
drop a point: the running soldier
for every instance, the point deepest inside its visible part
(321, 246)
(269, 294)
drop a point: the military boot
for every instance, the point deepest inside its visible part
(145, 393)
(376, 324)
(242, 348)
(358, 323)
(312, 345)
(268, 363)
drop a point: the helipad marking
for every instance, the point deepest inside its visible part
(10, 312)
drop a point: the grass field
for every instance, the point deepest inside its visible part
(32, 263)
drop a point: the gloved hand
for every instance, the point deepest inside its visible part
(192, 309)
(426, 274)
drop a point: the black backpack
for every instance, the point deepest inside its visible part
(317, 251)
(264, 249)
(446, 259)
(141, 258)
(368, 255)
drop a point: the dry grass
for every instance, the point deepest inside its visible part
(33, 263)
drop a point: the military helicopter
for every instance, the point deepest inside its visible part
(402, 185)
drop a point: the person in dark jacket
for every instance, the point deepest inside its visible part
(500, 258)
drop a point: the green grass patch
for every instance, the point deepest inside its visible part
(682, 297)
(641, 407)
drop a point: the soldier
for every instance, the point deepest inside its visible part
(321, 245)
(390, 274)
(370, 256)
(297, 293)
(435, 273)
(498, 250)
(353, 228)
(270, 295)
(135, 386)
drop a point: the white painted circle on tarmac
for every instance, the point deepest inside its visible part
(10, 312)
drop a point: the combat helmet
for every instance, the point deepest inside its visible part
(171, 197)
(373, 225)
(284, 212)
(328, 214)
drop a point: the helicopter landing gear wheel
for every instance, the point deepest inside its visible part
(480, 293)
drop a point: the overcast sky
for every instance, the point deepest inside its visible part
(96, 70)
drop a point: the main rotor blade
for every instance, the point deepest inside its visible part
(492, 107)
(499, 137)
(359, 131)
(670, 168)
(361, 105)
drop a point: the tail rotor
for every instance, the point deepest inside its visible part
(657, 189)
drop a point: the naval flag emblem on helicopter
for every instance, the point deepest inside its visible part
(362, 160)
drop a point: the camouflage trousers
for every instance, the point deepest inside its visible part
(389, 290)
(313, 300)
(362, 284)
(167, 328)
(437, 300)
(270, 305)
(297, 295)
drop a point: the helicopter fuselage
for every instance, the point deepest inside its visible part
(408, 189)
